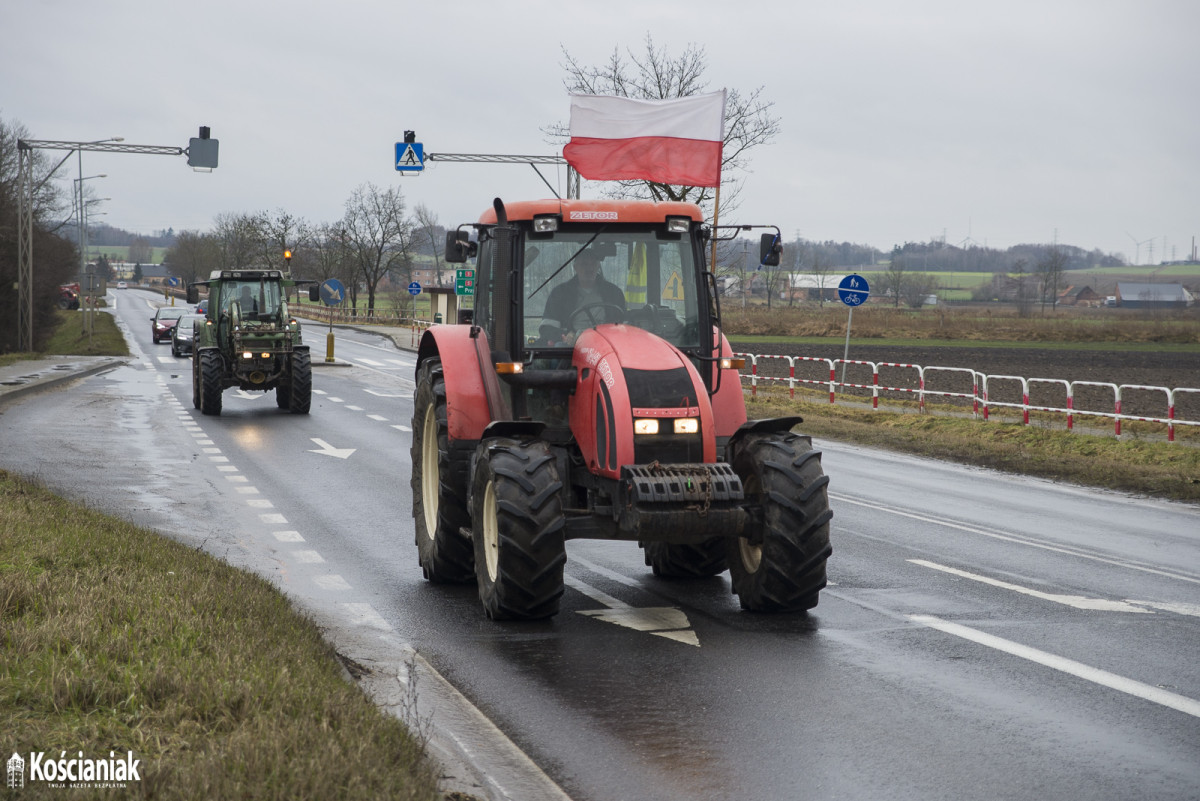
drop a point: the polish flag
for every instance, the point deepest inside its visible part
(666, 141)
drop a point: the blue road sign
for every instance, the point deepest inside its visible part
(854, 290)
(410, 157)
(332, 292)
(173, 281)
(414, 288)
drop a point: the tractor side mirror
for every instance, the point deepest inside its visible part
(314, 293)
(193, 294)
(770, 249)
(459, 248)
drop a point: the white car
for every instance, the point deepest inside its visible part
(122, 285)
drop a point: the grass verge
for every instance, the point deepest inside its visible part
(70, 339)
(1150, 467)
(117, 639)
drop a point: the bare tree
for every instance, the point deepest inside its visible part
(194, 256)
(1050, 270)
(238, 237)
(283, 232)
(916, 287)
(140, 251)
(654, 74)
(378, 235)
(428, 227)
(893, 278)
(821, 271)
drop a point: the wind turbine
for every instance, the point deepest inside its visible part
(1137, 259)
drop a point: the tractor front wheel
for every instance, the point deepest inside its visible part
(300, 383)
(517, 520)
(782, 567)
(439, 486)
(210, 382)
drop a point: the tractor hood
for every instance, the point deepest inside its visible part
(629, 378)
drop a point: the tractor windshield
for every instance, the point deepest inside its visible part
(579, 279)
(256, 297)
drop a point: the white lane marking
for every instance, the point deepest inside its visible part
(325, 449)
(370, 362)
(319, 392)
(354, 408)
(260, 503)
(246, 490)
(335, 400)
(1070, 551)
(402, 428)
(1179, 609)
(1076, 601)
(661, 621)
(403, 363)
(378, 394)
(378, 417)
(273, 519)
(237, 479)
(167, 359)
(365, 615)
(1155, 695)
(218, 458)
(332, 582)
(308, 557)
(288, 536)
(211, 450)
(227, 468)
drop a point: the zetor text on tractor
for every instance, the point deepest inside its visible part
(593, 395)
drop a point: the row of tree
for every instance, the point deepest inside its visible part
(376, 240)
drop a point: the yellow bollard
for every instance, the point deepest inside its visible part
(329, 347)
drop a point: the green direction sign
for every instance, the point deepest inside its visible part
(464, 282)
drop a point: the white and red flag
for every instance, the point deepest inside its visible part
(674, 141)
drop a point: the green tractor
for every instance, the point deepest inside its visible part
(248, 340)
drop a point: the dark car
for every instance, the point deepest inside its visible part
(184, 333)
(164, 320)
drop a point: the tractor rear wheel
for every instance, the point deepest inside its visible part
(517, 520)
(300, 389)
(439, 486)
(210, 382)
(782, 567)
(686, 561)
(196, 379)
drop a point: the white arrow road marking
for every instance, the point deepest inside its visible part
(1156, 695)
(387, 394)
(241, 393)
(662, 621)
(326, 449)
(1077, 601)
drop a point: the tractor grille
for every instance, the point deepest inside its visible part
(660, 389)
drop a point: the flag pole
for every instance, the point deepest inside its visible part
(712, 261)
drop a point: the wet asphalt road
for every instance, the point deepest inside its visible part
(983, 636)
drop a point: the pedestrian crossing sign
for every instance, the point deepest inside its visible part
(410, 157)
(674, 287)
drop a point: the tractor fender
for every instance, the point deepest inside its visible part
(473, 396)
(729, 401)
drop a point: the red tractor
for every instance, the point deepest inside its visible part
(593, 395)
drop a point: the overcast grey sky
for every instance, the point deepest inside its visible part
(1001, 122)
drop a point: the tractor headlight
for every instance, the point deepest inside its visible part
(687, 425)
(544, 225)
(678, 225)
(247, 355)
(645, 426)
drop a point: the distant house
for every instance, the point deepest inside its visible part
(154, 274)
(1131, 295)
(804, 286)
(1080, 296)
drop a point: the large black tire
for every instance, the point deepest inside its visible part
(196, 378)
(439, 486)
(686, 561)
(283, 395)
(517, 521)
(782, 476)
(300, 398)
(210, 382)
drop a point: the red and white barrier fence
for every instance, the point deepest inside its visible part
(980, 396)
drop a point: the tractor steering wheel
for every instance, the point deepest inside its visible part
(588, 307)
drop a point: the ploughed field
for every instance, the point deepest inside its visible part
(1145, 368)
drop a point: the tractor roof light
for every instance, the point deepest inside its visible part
(545, 225)
(678, 225)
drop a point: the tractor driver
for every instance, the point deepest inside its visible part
(246, 299)
(564, 315)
